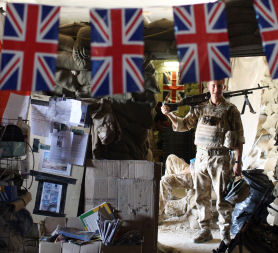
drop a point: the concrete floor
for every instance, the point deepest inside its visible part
(181, 242)
(175, 236)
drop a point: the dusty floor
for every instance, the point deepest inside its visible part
(175, 236)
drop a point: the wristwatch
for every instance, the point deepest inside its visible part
(237, 161)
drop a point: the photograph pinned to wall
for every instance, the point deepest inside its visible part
(52, 194)
(51, 197)
(60, 148)
(48, 166)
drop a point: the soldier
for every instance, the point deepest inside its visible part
(218, 131)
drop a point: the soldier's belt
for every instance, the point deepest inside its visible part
(213, 152)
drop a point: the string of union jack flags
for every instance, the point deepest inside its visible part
(30, 42)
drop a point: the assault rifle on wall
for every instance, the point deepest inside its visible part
(197, 99)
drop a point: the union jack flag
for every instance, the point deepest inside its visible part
(1, 29)
(266, 13)
(172, 91)
(117, 50)
(29, 47)
(202, 42)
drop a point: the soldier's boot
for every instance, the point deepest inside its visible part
(202, 236)
(222, 248)
(225, 237)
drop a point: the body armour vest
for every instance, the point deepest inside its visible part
(212, 126)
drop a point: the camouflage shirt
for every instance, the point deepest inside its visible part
(216, 126)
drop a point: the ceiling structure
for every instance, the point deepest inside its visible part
(78, 10)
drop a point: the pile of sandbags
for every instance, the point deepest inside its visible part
(73, 59)
(269, 127)
(268, 130)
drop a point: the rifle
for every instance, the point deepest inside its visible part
(197, 99)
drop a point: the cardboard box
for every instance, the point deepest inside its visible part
(51, 223)
(132, 189)
(98, 247)
(50, 247)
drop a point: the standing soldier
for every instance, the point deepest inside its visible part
(218, 131)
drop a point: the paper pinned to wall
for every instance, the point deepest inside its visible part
(45, 165)
(68, 147)
(13, 105)
(67, 111)
(60, 148)
(40, 120)
(79, 147)
(44, 113)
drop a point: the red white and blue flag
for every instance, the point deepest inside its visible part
(29, 47)
(1, 29)
(117, 50)
(266, 13)
(172, 91)
(202, 42)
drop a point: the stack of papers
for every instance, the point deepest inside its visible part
(75, 233)
(108, 229)
(89, 218)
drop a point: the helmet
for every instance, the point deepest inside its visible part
(237, 191)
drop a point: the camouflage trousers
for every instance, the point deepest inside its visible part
(212, 172)
(177, 175)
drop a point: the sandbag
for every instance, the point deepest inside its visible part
(65, 79)
(271, 121)
(71, 29)
(84, 77)
(65, 61)
(148, 95)
(65, 43)
(81, 49)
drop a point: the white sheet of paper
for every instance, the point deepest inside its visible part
(17, 106)
(76, 112)
(62, 111)
(40, 120)
(60, 147)
(67, 111)
(78, 148)
(67, 147)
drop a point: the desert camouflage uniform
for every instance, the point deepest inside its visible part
(177, 175)
(218, 130)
